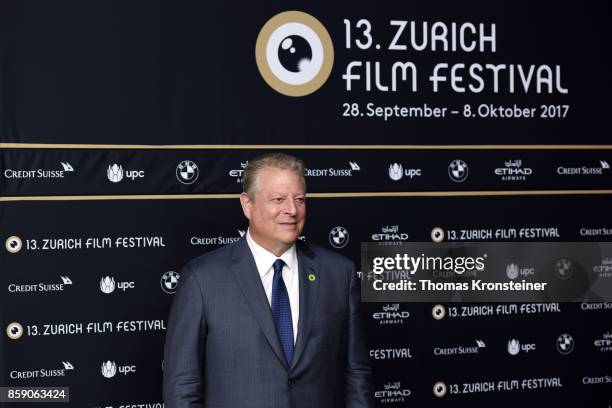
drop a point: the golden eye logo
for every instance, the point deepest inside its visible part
(294, 53)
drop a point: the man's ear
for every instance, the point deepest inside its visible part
(246, 204)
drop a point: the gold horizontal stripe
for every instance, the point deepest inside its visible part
(312, 195)
(300, 147)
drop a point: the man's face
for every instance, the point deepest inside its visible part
(278, 211)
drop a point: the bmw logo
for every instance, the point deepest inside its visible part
(338, 237)
(187, 172)
(169, 281)
(565, 344)
(458, 171)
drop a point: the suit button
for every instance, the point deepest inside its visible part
(291, 383)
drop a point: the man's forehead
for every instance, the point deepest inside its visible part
(273, 177)
(271, 171)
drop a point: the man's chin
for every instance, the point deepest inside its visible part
(289, 238)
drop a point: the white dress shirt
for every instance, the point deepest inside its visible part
(265, 261)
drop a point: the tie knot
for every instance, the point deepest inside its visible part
(278, 265)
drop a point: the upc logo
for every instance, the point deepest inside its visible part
(108, 285)
(396, 172)
(114, 173)
(108, 369)
(294, 53)
(512, 271)
(515, 347)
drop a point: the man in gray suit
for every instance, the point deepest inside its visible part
(268, 321)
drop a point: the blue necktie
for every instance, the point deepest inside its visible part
(281, 311)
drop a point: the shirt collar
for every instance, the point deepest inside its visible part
(264, 259)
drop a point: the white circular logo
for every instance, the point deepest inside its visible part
(565, 344)
(187, 172)
(338, 237)
(439, 389)
(169, 281)
(438, 312)
(458, 171)
(14, 331)
(13, 244)
(437, 235)
(564, 269)
(294, 53)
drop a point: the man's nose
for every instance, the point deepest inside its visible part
(290, 207)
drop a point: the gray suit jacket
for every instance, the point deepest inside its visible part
(222, 349)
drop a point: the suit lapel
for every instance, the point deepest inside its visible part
(309, 271)
(245, 271)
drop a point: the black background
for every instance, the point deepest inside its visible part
(184, 73)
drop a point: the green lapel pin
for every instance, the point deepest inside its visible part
(311, 277)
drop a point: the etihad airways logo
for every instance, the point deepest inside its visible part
(237, 173)
(390, 233)
(604, 343)
(392, 392)
(391, 314)
(513, 170)
(604, 269)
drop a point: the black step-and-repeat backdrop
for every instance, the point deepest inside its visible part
(125, 128)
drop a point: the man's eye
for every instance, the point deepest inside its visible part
(300, 200)
(277, 200)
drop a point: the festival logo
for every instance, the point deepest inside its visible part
(294, 53)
